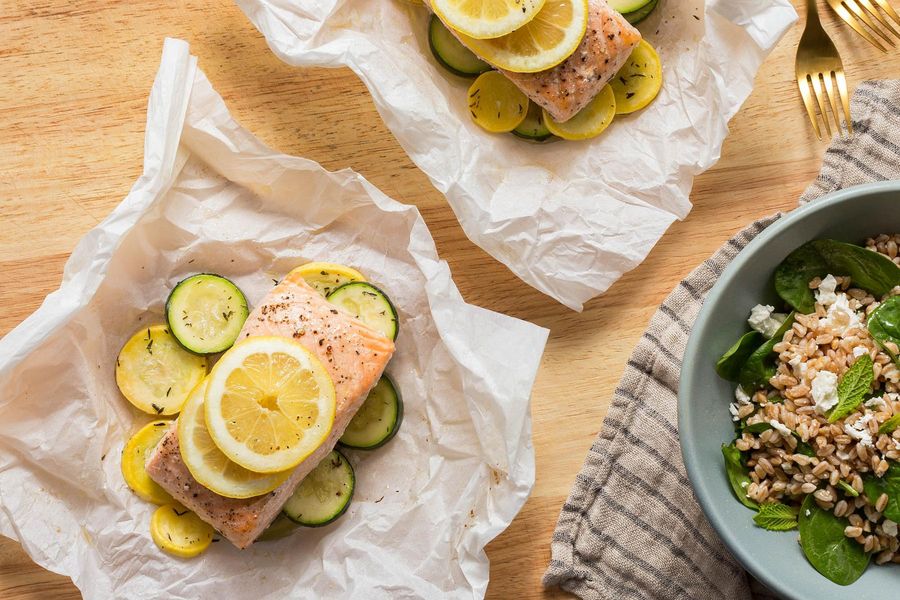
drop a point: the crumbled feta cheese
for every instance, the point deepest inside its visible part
(859, 351)
(889, 527)
(840, 317)
(858, 430)
(764, 320)
(799, 365)
(745, 484)
(825, 294)
(741, 396)
(824, 391)
(782, 429)
(808, 512)
(843, 454)
(733, 409)
(877, 403)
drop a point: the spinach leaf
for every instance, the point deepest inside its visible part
(803, 448)
(853, 387)
(827, 549)
(758, 369)
(890, 425)
(729, 366)
(776, 516)
(884, 324)
(868, 270)
(848, 489)
(758, 427)
(737, 475)
(889, 484)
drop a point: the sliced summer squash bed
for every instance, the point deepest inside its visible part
(818, 397)
(162, 370)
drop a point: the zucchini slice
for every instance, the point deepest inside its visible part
(636, 16)
(155, 373)
(628, 6)
(368, 304)
(324, 494)
(206, 312)
(377, 420)
(450, 52)
(281, 527)
(533, 127)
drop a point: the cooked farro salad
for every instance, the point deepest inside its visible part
(817, 405)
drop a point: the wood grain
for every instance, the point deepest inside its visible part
(74, 79)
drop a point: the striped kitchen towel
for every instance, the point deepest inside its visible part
(631, 527)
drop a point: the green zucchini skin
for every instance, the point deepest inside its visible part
(533, 127)
(178, 302)
(640, 14)
(369, 304)
(628, 6)
(385, 386)
(450, 52)
(334, 470)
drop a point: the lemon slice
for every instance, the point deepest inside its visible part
(639, 81)
(178, 531)
(496, 104)
(134, 457)
(208, 465)
(590, 121)
(482, 19)
(269, 404)
(155, 373)
(547, 40)
(325, 277)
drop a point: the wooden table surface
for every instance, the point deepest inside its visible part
(74, 80)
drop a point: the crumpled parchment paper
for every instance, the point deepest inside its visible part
(214, 198)
(569, 218)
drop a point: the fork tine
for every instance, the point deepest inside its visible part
(817, 89)
(859, 12)
(803, 84)
(874, 13)
(887, 8)
(857, 27)
(832, 101)
(845, 98)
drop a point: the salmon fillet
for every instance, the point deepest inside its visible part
(354, 355)
(571, 85)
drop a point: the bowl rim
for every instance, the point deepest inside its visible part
(692, 352)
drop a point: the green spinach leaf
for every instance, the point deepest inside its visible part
(884, 324)
(758, 369)
(737, 475)
(827, 549)
(853, 387)
(889, 484)
(758, 427)
(868, 270)
(729, 366)
(776, 516)
(804, 448)
(890, 425)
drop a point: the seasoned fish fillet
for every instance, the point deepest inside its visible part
(571, 85)
(355, 356)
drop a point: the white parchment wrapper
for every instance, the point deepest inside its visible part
(569, 218)
(213, 198)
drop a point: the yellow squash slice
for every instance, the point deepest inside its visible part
(639, 81)
(209, 466)
(325, 277)
(134, 457)
(590, 121)
(496, 104)
(155, 373)
(484, 19)
(547, 40)
(269, 404)
(180, 532)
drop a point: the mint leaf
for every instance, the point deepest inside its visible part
(776, 517)
(853, 387)
(890, 425)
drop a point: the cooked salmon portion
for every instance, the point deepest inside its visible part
(354, 355)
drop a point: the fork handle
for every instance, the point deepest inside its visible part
(812, 11)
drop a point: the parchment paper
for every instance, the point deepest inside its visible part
(213, 198)
(569, 218)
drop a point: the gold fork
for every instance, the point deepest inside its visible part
(817, 63)
(854, 11)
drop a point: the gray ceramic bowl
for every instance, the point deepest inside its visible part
(704, 421)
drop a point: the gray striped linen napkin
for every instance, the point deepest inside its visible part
(631, 527)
